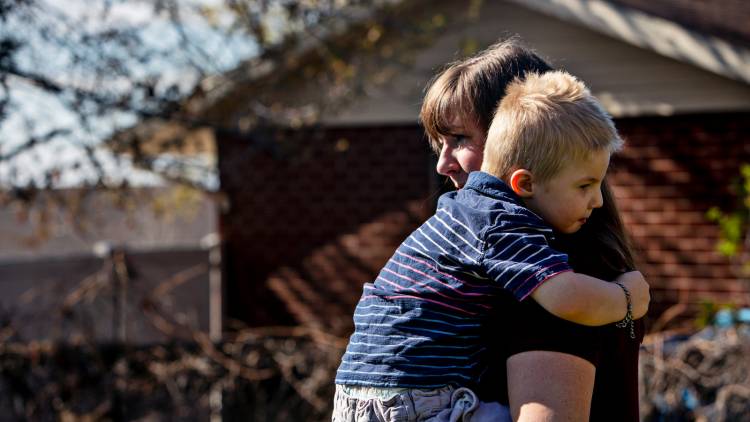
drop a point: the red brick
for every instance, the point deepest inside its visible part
(664, 165)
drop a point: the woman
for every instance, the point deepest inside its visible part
(555, 370)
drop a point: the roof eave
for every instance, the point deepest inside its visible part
(647, 31)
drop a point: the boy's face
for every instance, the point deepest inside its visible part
(462, 151)
(567, 199)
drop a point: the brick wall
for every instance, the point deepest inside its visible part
(292, 193)
(671, 172)
(312, 216)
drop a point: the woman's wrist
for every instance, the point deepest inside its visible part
(627, 322)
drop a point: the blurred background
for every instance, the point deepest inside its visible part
(192, 193)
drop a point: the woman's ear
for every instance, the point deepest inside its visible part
(522, 183)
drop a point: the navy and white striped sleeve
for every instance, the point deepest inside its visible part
(519, 257)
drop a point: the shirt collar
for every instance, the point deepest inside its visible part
(492, 186)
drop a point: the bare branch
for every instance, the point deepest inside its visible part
(33, 142)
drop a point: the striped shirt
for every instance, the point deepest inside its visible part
(418, 324)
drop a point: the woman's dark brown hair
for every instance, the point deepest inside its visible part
(474, 86)
(601, 247)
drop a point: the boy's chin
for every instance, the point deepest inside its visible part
(570, 230)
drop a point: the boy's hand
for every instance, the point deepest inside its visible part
(639, 292)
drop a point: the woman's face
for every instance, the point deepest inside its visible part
(461, 151)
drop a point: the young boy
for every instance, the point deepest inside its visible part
(416, 349)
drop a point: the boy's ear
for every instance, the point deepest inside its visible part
(522, 183)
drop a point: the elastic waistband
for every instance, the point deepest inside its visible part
(366, 392)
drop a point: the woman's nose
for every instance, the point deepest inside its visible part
(447, 163)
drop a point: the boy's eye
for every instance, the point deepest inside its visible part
(584, 187)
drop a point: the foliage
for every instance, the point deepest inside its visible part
(734, 225)
(708, 311)
(263, 374)
(102, 66)
(111, 94)
(250, 377)
(141, 74)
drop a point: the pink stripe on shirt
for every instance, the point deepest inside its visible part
(540, 283)
(432, 289)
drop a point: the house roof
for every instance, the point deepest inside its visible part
(637, 64)
(688, 31)
(728, 21)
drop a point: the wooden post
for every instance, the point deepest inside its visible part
(215, 314)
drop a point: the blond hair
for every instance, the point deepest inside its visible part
(543, 122)
(472, 87)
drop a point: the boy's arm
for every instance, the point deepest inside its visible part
(590, 301)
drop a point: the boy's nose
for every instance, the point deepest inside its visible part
(598, 200)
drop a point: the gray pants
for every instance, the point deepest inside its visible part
(446, 404)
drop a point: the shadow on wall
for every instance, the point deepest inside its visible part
(671, 172)
(290, 193)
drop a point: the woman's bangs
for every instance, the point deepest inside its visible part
(435, 117)
(446, 108)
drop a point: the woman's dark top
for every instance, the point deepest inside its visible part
(526, 326)
(599, 251)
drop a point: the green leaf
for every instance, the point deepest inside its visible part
(727, 248)
(714, 214)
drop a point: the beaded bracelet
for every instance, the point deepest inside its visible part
(628, 320)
